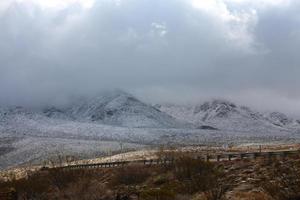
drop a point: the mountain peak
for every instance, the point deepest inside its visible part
(120, 108)
(220, 108)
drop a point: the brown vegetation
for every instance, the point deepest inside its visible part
(186, 178)
(283, 182)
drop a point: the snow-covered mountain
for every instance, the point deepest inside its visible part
(115, 108)
(120, 116)
(90, 126)
(85, 127)
(225, 115)
(121, 109)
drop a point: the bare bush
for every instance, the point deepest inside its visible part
(130, 175)
(197, 175)
(164, 193)
(284, 181)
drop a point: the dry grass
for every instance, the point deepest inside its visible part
(186, 179)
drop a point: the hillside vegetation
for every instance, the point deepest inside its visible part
(187, 178)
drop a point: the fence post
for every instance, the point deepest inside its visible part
(207, 158)
(284, 155)
(242, 156)
(254, 156)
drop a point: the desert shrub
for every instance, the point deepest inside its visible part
(252, 195)
(130, 175)
(86, 184)
(164, 193)
(35, 187)
(61, 184)
(196, 175)
(217, 191)
(283, 182)
(88, 189)
(161, 179)
(60, 179)
(186, 168)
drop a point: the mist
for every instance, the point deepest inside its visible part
(179, 51)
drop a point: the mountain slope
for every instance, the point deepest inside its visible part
(282, 120)
(85, 125)
(114, 108)
(226, 115)
(122, 109)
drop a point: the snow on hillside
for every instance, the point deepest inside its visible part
(180, 112)
(35, 150)
(225, 115)
(86, 127)
(118, 108)
(282, 120)
(114, 108)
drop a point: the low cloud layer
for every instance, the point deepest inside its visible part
(170, 50)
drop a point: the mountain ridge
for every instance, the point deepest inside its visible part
(226, 115)
(85, 125)
(116, 108)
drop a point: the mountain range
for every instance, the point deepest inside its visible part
(225, 115)
(89, 126)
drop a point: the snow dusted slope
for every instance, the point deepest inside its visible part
(225, 115)
(114, 108)
(122, 109)
(180, 112)
(89, 127)
(118, 109)
(282, 120)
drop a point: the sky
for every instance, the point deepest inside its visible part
(179, 51)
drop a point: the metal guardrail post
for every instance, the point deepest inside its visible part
(255, 155)
(283, 155)
(242, 156)
(207, 158)
(269, 154)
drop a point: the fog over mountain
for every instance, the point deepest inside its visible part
(88, 127)
(180, 51)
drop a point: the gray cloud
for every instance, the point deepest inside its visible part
(171, 50)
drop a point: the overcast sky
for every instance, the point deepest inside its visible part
(160, 50)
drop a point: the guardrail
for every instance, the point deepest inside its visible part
(167, 161)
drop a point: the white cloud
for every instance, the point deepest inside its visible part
(214, 7)
(213, 47)
(4, 5)
(261, 3)
(159, 28)
(49, 4)
(238, 24)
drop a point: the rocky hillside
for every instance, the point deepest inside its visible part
(115, 108)
(225, 115)
(121, 109)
